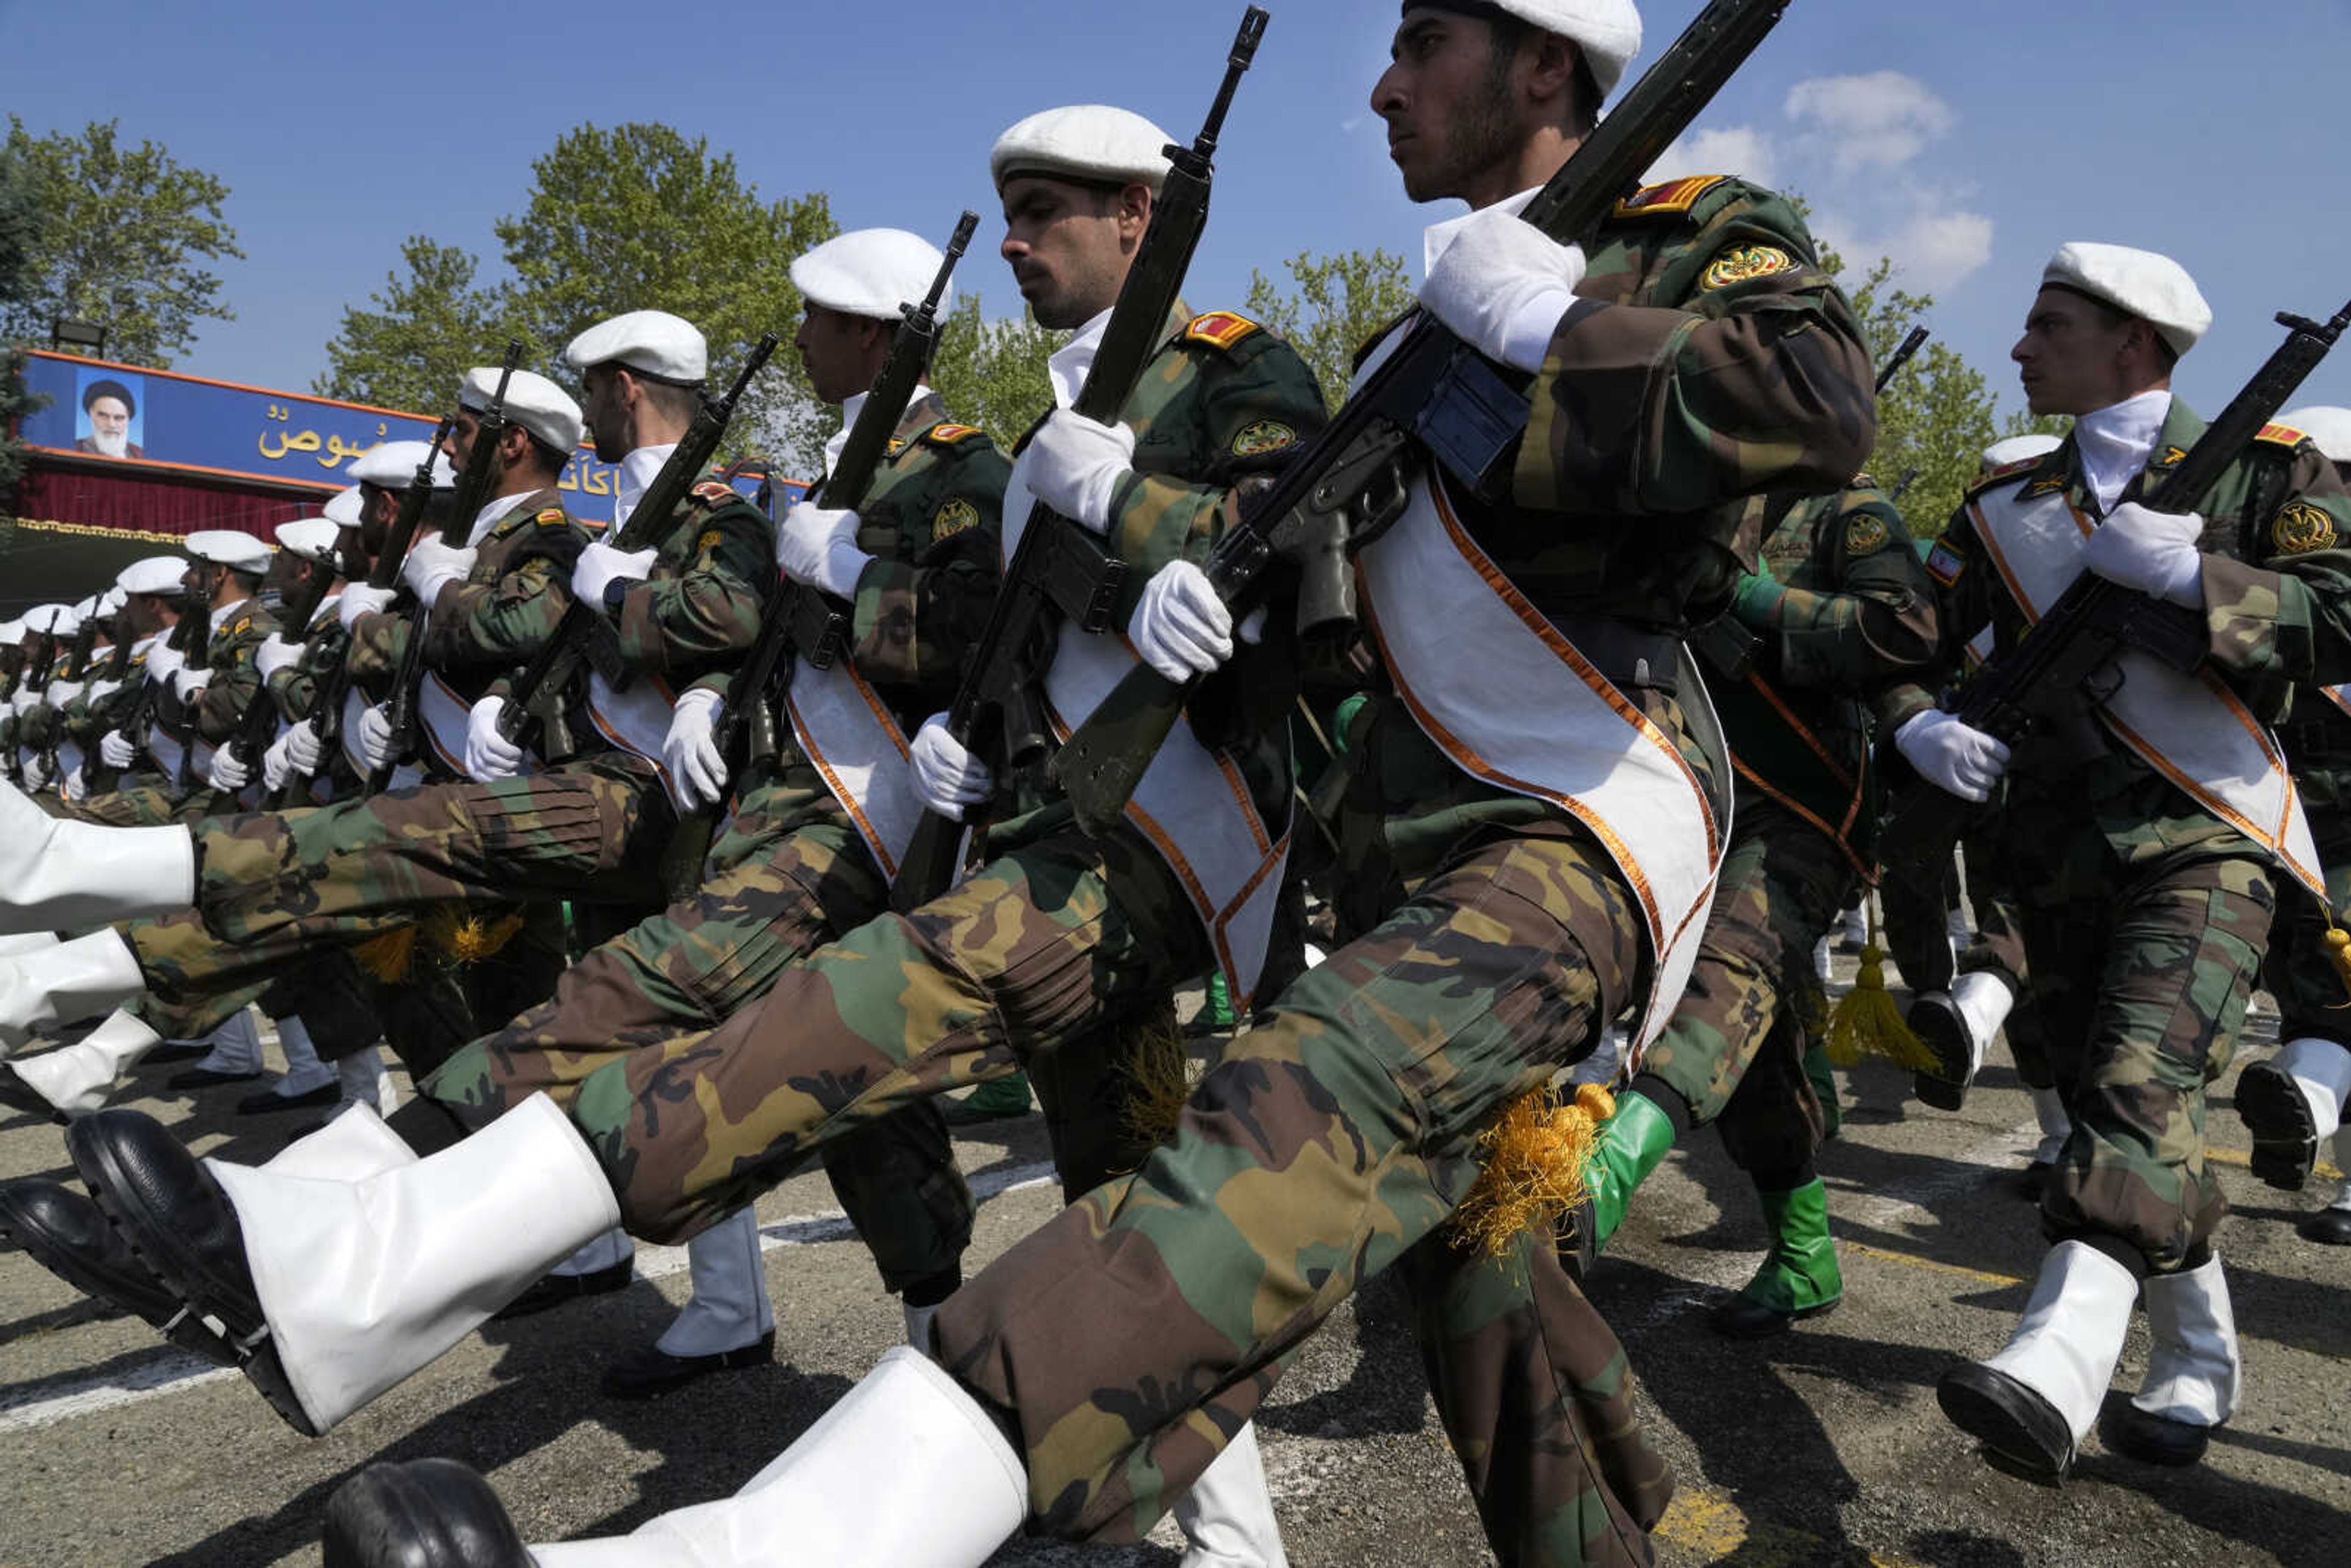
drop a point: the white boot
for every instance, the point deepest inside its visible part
(348, 1149)
(236, 1048)
(907, 1471)
(363, 1283)
(1824, 960)
(365, 1082)
(78, 1077)
(58, 875)
(729, 1308)
(2071, 1335)
(605, 1250)
(64, 984)
(2056, 1127)
(1227, 1516)
(304, 1071)
(2193, 1372)
(1983, 999)
(27, 942)
(2321, 1069)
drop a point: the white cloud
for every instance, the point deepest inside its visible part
(1932, 253)
(1882, 120)
(1735, 150)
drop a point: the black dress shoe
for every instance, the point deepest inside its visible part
(1744, 1317)
(554, 1290)
(173, 1052)
(649, 1371)
(1934, 1019)
(65, 1233)
(430, 1513)
(183, 1226)
(270, 1100)
(206, 1078)
(2328, 1228)
(19, 1095)
(2014, 1422)
(2153, 1439)
(2034, 1182)
(2285, 1139)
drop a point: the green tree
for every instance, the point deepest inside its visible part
(126, 235)
(19, 229)
(992, 373)
(425, 330)
(1334, 305)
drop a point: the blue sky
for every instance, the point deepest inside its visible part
(1966, 139)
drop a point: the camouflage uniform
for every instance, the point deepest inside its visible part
(790, 871)
(142, 798)
(2146, 917)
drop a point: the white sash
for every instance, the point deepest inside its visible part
(636, 720)
(2191, 728)
(165, 748)
(69, 758)
(850, 736)
(1510, 700)
(1193, 806)
(445, 717)
(407, 775)
(2339, 696)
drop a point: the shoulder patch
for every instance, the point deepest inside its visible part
(1266, 435)
(951, 434)
(1670, 197)
(2284, 436)
(714, 493)
(2007, 473)
(1946, 565)
(1744, 264)
(1220, 329)
(245, 624)
(1865, 535)
(553, 518)
(2301, 528)
(957, 517)
(710, 540)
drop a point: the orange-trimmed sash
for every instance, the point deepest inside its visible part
(853, 741)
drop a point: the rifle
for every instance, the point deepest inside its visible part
(802, 621)
(1902, 486)
(578, 634)
(2095, 622)
(258, 725)
(83, 643)
(327, 713)
(1055, 565)
(193, 639)
(1435, 397)
(1902, 356)
(473, 491)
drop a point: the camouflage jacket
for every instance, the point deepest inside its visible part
(1851, 627)
(700, 609)
(2277, 595)
(1224, 400)
(294, 689)
(1708, 360)
(236, 638)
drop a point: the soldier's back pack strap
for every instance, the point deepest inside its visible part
(1434, 394)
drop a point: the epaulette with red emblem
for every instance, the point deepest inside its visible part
(951, 434)
(1668, 197)
(2003, 473)
(552, 518)
(713, 493)
(1220, 329)
(2284, 436)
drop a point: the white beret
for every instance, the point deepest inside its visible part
(312, 539)
(1089, 141)
(2155, 288)
(226, 547)
(1607, 31)
(343, 507)
(875, 273)
(158, 574)
(2018, 449)
(2328, 428)
(110, 602)
(665, 347)
(12, 631)
(533, 402)
(56, 619)
(390, 465)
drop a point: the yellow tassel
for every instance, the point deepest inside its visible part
(389, 956)
(1159, 1071)
(467, 939)
(1867, 1021)
(1535, 1155)
(2338, 952)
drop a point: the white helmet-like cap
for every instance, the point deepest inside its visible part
(652, 343)
(874, 273)
(2328, 428)
(1607, 31)
(2140, 283)
(154, 574)
(390, 465)
(312, 539)
(1092, 142)
(533, 402)
(226, 547)
(343, 507)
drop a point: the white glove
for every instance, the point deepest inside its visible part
(820, 548)
(164, 661)
(2154, 552)
(228, 774)
(373, 740)
(36, 777)
(489, 756)
(1074, 466)
(276, 653)
(189, 682)
(75, 786)
(359, 599)
(600, 565)
(947, 777)
(432, 566)
(1953, 756)
(690, 750)
(276, 767)
(1182, 629)
(114, 749)
(1503, 285)
(303, 747)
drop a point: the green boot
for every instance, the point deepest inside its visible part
(1799, 1278)
(1218, 1012)
(998, 1099)
(1632, 1144)
(1824, 1086)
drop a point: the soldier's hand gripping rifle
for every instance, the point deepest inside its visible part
(1433, 395)
(648, 527)
(1057, 565)
(258, 725)
(472, 494)
(802, 621)
(192, 638)
(383, 574)
(2069, 653)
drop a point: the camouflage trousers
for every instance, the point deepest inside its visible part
(273, 887)
(2299, 971)
(149, 805)
(2141, 975)
(771, 894)
(1917, 937)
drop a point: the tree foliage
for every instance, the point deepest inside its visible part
(125, 239)
(992, 373)
(424, 330)
(19, 227)
(1333, 306)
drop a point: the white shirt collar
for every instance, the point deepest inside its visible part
(637, 471)
(1071, 363)
(1437, 239)
(221, 615)
(2116, 442)
(849, 408)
